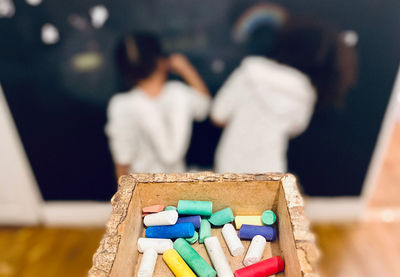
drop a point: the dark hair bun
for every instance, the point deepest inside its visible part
(137, 56)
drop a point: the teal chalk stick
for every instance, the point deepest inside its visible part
(193, 259)
(205, 230)
(191, 207)
(193, 239)
(222, 217)
(268, 217)
(170, 208)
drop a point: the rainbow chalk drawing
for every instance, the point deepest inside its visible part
(255, 16)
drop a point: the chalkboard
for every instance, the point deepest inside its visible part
(59, 101)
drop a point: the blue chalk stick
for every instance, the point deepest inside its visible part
(181, 230)
(195, 219)
(250, 231)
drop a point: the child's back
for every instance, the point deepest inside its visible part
(266, 102)
(263, 103)
(153, 134)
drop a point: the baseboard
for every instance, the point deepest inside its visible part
(18, 215)
(86, 213)
(334, 209)
(75, 213)
(386, 214)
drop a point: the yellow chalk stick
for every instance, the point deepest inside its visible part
(177, 264)
(247, 219)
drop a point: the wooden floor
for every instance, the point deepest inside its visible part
(356, 250)
(360, 250)
(34, 252)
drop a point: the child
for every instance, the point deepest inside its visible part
(149, 127)
(266, 102)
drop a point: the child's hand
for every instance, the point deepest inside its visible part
(179, 64)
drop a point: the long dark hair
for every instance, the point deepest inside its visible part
(137, 55)
(319, 51)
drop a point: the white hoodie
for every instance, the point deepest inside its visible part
(263, 104)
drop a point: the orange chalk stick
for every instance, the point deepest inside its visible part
(153, 209)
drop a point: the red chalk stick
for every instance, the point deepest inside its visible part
(153, 209)
(262, 269)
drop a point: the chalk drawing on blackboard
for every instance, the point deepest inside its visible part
(255, 16)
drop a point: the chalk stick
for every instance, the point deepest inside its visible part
(232, 240)
(205, 230)
(181, 230)
(191, 207)
(193, 239)
(153, 209)
(255, 251)
(264, 268)
(217, 257)
(193, 259)
(159, 245)
(248, 219)
(268, 217)
(177, 264)
(195, 219)
(248, 232)
(222, 217)
(148, 263)
(170, 208)
(161, 218)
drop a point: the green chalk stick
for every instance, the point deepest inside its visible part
(193, 239)
(193, 259)
(170, 208)
(205, 230)
(222, 217)
(190, 207)
(268, 217)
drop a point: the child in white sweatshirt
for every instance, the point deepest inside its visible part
(266, 102)
(149, 127)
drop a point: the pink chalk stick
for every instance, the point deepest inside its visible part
(153, 209)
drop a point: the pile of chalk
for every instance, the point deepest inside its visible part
(181, 224)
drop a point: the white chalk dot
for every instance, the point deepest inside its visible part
(350, 37)
(50, 34)
(34, 2)
(99, 15)
(7, 8)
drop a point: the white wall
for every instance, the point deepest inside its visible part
(20, 199)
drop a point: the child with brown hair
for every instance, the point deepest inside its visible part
(149, 127)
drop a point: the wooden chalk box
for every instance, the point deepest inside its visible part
(245, 194)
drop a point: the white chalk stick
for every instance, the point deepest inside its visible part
(159, 245)
(161, 218)
(255, 251)
(148, 263)
(232, 240)
(217, 257)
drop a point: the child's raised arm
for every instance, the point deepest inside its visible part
(181, 66)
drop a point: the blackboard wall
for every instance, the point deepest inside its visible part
(60, 113)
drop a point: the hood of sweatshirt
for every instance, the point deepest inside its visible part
(281, 88)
